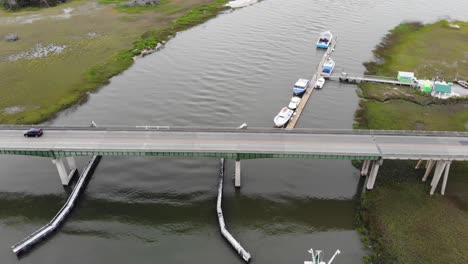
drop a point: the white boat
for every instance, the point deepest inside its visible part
(463, 83)
(324, 40)
(328, 67)
(319, 83)
(294, 102)
(283, 117)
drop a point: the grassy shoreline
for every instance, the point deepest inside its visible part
(57, 82)
(404, 224)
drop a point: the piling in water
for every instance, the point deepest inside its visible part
(222, 226)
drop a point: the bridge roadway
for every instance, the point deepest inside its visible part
(234, 143)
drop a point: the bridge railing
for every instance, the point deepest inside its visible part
(248, 130)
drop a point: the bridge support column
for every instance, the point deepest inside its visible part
(373, 174)
(441, 164)
(444, 183)
(237, 174)
(365, 167)
(71, 163)
(418, 165)
(62, 170)
(429, 165)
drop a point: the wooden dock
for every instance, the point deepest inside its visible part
(375, 79)
(305, 97)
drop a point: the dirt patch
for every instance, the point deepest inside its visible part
(14, 109)
(420, 125)
(457, 201)
(38, 51)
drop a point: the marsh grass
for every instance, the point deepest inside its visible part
(428, 51)
(404, 223)
(43, 87)
(409, 226)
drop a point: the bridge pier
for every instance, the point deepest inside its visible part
(444, 182)
(237, 174)
(373, 174)
(65, 176)
(429, 165)
(441, 166)
(365, 167)
(418, 165)
(71, 163)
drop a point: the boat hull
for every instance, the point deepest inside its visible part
(298, 91)
(323, 46)
(328, 68)
(463, 84)
(324, 40)
(283, 117)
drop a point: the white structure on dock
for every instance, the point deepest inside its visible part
(407, 77)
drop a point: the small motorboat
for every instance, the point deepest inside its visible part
(319, 83)
(294, 102)
(328, 67)
(324, 40)
(300, 86)
(463, 84)
(283, 117)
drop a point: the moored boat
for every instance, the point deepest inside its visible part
(300, 86)
(294, 102)
(463, 83)
(283, 117)
(328, 67)
(319, 83)
(324, 40)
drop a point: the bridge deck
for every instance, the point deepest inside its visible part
(248, 143)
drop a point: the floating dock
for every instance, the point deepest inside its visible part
(46, 230)
(222, 226)
(297, 114)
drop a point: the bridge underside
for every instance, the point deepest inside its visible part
(59, 154)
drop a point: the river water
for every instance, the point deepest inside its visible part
(236, 68)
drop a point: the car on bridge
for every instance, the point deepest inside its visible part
(33, 132)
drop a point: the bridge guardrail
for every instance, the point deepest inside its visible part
(248, 130)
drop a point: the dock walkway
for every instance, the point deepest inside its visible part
(375, 79)
(310, 89)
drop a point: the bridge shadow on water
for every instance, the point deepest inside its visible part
(258, 212)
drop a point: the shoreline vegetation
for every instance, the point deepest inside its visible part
(96, 44)
(403, 223)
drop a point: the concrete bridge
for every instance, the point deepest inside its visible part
(371, 146)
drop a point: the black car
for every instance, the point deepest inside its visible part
(33, 132)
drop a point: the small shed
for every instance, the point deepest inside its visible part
(407, 77)
(442, 87)
(425, 86)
